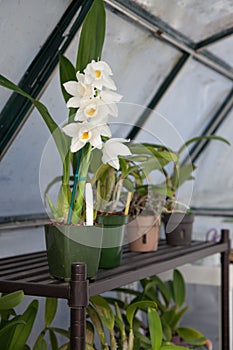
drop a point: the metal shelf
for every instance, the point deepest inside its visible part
(30, 273)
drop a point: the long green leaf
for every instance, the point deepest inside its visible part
(178, 288)
(11, 300)
(41, 345)
(8, 327)
(191, 335)
(182, 174)
(92, 35)
(67, 73)
(105, 312)
(22, 333)
(59, 138)
(155, 328)
(131, 309)
(50, 310)
(200, 138)
(95, 318)
(53, 340)
(61, 331)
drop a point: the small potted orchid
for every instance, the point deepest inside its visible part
(89, 92)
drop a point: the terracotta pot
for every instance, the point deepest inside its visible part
(178, 228)
(67, 244)
(143, 233)
(113, 238)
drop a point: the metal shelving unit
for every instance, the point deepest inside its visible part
(30, 273)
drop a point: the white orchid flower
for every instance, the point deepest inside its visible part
(79, 90)
(91, 109)
(85, 132)
(109, 98)
(112, 149)
(98, 74)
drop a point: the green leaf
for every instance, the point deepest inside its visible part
(178, 288)
(95, 318)
(60, 139)
(50, 310)
(182, 174)
(67, 73)
(162, 287)
(174, 322)
(53, 340)
(8, 327)
(41, 345)
(200, 138)
(11, 300)
(104, 310)
(172, 347)
(92, 35)
(191, 335)
(155, 328)
(131, 309)
(63, 201)
(22, 332)
(90, 334)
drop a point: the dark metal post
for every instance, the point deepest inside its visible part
(78, 302)
(225, 323)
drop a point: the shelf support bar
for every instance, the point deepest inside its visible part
(225, 261)
(78, 302)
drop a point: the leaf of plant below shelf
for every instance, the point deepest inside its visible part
(9, 301)
(155, 329)
(178, 288)
(191, 335)
(104, 310)
(94, 316)
(50, 310)
(53, 340)
(131, 309)
(22, 333)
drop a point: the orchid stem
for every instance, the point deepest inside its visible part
(76, 177)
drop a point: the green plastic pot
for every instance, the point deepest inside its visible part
(113, 237)
(67, 244)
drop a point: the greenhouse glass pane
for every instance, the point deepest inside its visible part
(24, 27)
(140, 64)
(223, 49)
(192, 100)
(206, 17)
(213, 186)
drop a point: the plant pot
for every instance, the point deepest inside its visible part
(67, 244)
(178, 228)
(113, 237)
(143, 233)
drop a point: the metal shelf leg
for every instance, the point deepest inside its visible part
(78, 302)
(225, 261)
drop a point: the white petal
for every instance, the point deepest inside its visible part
(76, 145)
(73, 102)
(110, 96)
(96, 140)
(109, 83)
(71, 129)
(105, 130)
(71, 87)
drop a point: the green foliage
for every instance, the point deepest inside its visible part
(14, 328)
(170, 299)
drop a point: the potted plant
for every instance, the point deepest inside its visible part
(170, 299)
(148, 199)
(89, 92)
(177, 217)
(111, 209)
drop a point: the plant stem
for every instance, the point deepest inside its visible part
(83, 170)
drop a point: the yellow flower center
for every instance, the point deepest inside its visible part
(91, 112)
(85, 135)
(98, 74)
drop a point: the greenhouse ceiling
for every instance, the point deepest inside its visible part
(179, 48)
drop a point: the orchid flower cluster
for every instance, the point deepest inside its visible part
(94, 97)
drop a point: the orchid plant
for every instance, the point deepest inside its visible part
(90, 95)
